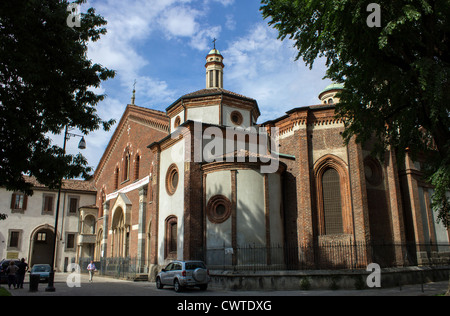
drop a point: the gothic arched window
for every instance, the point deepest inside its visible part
(332, 203)
(171, 237)
(126, 165)
(334, 215)
(137, 162)
(116, 179)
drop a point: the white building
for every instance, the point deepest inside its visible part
(28, 232)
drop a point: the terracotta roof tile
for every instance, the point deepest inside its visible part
(72, 185)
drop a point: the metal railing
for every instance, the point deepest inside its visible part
(347, 255)
(324, 256)
(122, 268)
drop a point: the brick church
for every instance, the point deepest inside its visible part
(203, 175)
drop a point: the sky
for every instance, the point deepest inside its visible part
(162, 44)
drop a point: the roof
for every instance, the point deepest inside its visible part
(214, 52)
(159, 120)
(317, 107)
(67, 185)
(211, 92)
(333, 86)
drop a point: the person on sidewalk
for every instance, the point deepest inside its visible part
(91, 268)
(11, 273)
(21, 271)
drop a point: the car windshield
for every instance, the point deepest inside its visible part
(41, 269)
(195, 265)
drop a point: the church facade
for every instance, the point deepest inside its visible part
(203, 176)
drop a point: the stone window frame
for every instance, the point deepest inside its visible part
(66, 244)
(69, 203)
(19, 240)
(23, 205)
(44, 197)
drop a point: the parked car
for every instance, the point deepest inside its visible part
(43, 270)
(3, 265)
(182, 274)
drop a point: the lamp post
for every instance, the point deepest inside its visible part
(81, 145)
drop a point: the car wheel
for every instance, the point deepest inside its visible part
(159, 284)
(177, 286)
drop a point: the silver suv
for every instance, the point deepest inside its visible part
(181, 274)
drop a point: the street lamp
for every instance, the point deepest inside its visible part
(81, 145)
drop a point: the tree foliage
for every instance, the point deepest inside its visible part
(396, 76)
(46, 84)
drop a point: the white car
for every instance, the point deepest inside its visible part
(181, 274)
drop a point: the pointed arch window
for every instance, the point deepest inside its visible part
(137, 161)
(334, 215)
(332, 203)
(116, 179)
(171, 238)
(126, 165)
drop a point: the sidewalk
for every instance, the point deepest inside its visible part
(103, 286)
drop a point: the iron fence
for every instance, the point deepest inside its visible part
(324, 256)
(122, 268)
(316, 256)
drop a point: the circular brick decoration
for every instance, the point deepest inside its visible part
(218, 209)
(236, 118)
(172, 179)
(373, 171)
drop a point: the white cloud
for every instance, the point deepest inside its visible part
(257, 64)
(230, 24)
(262, 67)
(225, 2)
(180, 21)
(202, 39)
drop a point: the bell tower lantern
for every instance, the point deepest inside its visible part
(214, 69)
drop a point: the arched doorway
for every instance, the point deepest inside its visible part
(119, 235)
(98, 245)
(42, 246)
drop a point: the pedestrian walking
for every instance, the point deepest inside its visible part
(11, 273)
(21, 271)
(91, 268)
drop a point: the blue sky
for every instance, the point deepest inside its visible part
(163, 45)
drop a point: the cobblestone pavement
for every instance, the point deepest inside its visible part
(102, 286)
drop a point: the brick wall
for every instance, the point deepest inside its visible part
(138, 128)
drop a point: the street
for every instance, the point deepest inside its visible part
(102, 286)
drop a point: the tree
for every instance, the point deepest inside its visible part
(46, 84)
(396, 76)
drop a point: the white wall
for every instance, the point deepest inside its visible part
(32, 218)
(207, 114)
(226, 119)
(171, 205)
(218, 183)
(251, 227)
(172, 121)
